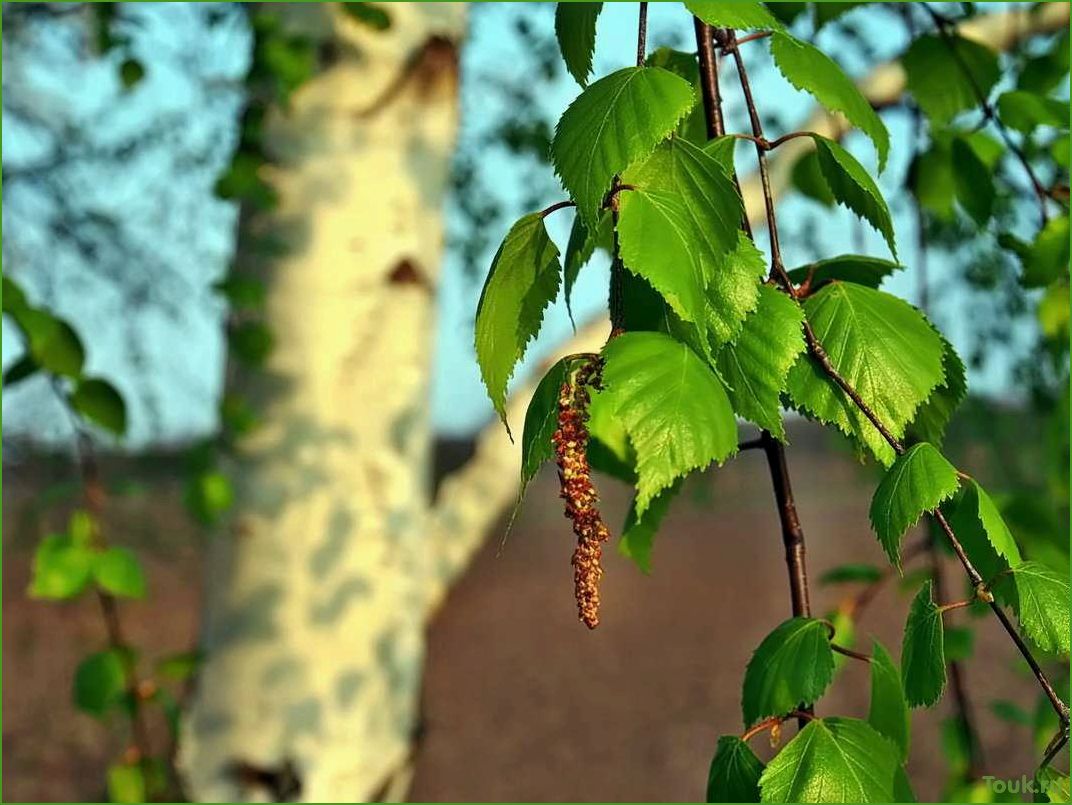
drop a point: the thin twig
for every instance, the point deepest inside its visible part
(848, 652)
(558, 205)
(642, 35)
(774, 721)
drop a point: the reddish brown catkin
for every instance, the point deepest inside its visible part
(575, 476)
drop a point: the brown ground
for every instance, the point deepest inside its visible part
(522, 703)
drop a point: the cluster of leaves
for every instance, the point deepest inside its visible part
(707, 341)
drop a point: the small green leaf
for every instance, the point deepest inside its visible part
(944, 76)
(251, 342)
(982, 531)
(638, 533)
(575, 29)
(832, 760)
(886, 351)
(677, 225)
(1054, 785)
(959, 642)
(609, 449)
(755, 365)
(98, 401)
(809, 69)
(131, 72)
(933, 416)
(1011, 712)
(53, 344)
(919, 480)
(889, 711)
(21, 369)
(242, 292)
(858, 268)
(14, 299)
(692, 127)
(826, 13)
(733, 291)
(1026, 111)
(613, 123)
(808, 179)
(734, 773)
(923, 651)
(671, 404)
(119, 572)
(61, 568)
(746, 14)
(208, 495)
(930, 178)
(1039, 597)
(580, 247)
(853, 187)
(126, 783)
(179, 667)
(793, 666)
(541, 420)
(523, 281)
(973, 183)
(852, 573)
(370, 15)
(100, 682)
(1046, 260)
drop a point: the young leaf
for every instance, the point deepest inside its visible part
(693, 127)
(944, 75)
(208, 495)
(609, 449)
(793, 665)
(853, 187)
(638, 533)
(673, 407)
(1046, 260)
(1025, 111)
(933, 416)
(846, 574)
(13, 297)
(755, 365)
(734, 773)
(809, 69)
(923, 651)
(889, 711)
(179, 667)
(745, 14)
(61, 568)
(575, 29)
(832, 760)
(981, 529)
(119, 572)
(53, 344)
(675, 227)
(579, 249)
(613, 123)
(541, 420)
(522, 282)
(733, 290)
(919, 480)
(858, 268)
(808, 179)
(98, 401)
(126, 783)
(883, 347)
(1054, 786)
(1039, 596)
(99, 682)
(973, 183)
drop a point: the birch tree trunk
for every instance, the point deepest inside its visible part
(317, 598)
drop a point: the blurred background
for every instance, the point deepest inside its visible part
(265, 227)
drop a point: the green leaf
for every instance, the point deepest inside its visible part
(884, 349)
(930, 177)
(858, 268)
(832, 760)
(522, 282)
(851, 573)
(1026, 111)
(1054, 785)
(734, 290)
(793, 666)
(580, 247)
(919, 480)
(853, 187)
(943, 75)
(755, 365)
(52, 342)
(100, 682)
(826, 13)
(933, 416)
(959, 643)
(208, 495)
(126, 783)
(923, 651)
(14, 299)
(179, 667)
(1011, 712)
(242, 292)
(541, 421)
(693, 127)
(973, 183)
(368, 14)
(131, 72)
(609, 450)
(678, 224)
(745, 14)
(20, 370)
(61, 568)
(575, 29)
(98, 401)
(251, 342)
(809, 69)
(671, 404)
(1039, 596)
(119, 572)
(734, 773)
(902, 786)
(613, 123)
(889, 711)
(808, 179)
(982, 531)
(1046, 260)
(638, 533)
